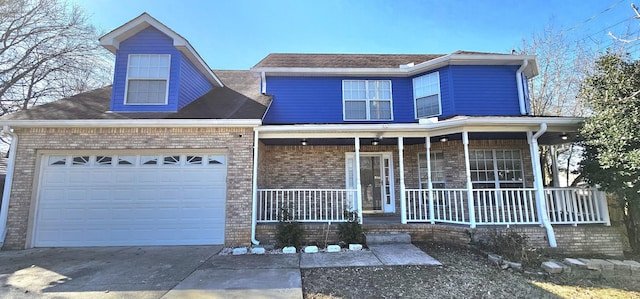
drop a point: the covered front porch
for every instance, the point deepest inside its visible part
(464, 171)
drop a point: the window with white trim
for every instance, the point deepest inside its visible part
(437, 170)
(426, 95)
(496, 169)
(147, 79)
(367, 99)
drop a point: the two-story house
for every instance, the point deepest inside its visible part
(175, 153)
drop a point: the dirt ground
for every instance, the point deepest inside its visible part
(464, 274)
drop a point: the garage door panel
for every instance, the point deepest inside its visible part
(95, 204)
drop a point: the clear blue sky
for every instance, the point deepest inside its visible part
(236, 34)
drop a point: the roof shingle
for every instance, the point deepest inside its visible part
(239, 99)
(349, 60)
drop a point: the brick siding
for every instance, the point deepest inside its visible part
(237, 142)
(323, 166)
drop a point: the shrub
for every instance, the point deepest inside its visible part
(511, 245)
(351, 231)
(288, 231)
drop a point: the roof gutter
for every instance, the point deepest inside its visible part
(8, 182)
(520, 83)
(462, 121)
(132, 123)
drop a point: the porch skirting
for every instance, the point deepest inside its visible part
(575, 240)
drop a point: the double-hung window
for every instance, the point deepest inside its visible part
(147, 79)
(367, 99)
(496, 169)
(426, 95)
(437, 170)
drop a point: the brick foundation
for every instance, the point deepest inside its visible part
(579, 240)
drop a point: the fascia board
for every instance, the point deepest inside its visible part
(509, 124)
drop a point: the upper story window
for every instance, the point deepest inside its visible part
(147, 79)
(367, 99)
(426, 95)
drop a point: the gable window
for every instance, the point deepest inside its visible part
(147, 79)
(367, 99)
(426, 95)
(496, 169)
(437, 170)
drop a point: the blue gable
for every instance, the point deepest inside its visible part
(185, 82)
(464, 90)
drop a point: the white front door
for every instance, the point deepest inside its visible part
(376, 181)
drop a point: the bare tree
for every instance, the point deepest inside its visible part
(48, 50)
(564, 65)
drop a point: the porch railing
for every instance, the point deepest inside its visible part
(490, 206)
(507, 206)
(305, 205)
(576, 206)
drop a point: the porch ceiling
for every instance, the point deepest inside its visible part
(394, 140)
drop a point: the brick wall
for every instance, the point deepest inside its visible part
(323, 166)
(579, 240)
(237, 142)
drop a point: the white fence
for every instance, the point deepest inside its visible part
(305, 205)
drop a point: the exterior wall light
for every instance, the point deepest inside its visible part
(444, 139)
(375, 142)
(564, 136)
(304, 142)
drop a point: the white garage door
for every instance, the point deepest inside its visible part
(111, 200)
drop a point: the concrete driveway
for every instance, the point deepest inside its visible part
(131, 272)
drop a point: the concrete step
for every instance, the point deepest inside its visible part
(387, 238)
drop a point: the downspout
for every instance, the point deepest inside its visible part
(254, 197)
(519, 83)
(8, 181)
(263, 83)
(539, 186)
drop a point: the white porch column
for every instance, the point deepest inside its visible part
(403, 199)
(472, 211)
(554, 166)
(358, 182)
(432, 214)
(254, 202)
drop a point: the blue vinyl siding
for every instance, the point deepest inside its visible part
(464, 90)
(186, 83)
(485, 90)
(192, 83)
(318, 100)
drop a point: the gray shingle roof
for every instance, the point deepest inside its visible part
(239, 99)
(349, 60)
(343, 60)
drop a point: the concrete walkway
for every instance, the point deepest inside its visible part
(176, 271)
(378, 255)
